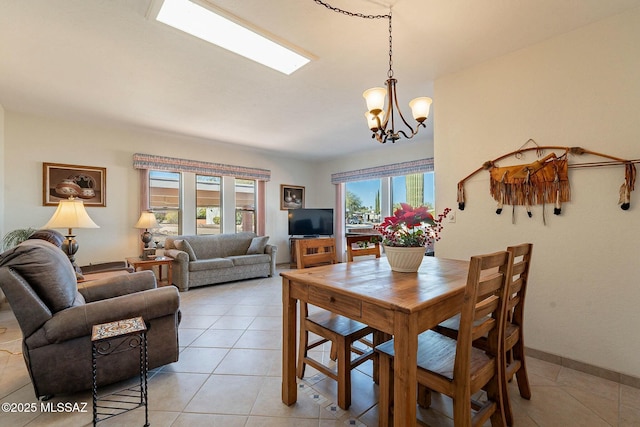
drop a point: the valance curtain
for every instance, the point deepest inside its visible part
(153, 162)
(377, 172)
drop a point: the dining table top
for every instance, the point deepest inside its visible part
(374, 281)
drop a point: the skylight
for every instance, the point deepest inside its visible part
(211, 26)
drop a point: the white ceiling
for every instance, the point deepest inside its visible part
(104, 60)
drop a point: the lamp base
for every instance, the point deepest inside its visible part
(147, 253)
(146, 238)
(70, 247)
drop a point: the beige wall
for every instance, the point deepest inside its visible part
(2, 167)
(579, 89)
(32, 140)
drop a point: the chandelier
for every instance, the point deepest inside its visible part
(381, 120)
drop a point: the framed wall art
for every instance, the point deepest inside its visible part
(87, 183)
(291, 197)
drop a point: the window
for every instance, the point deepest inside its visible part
(164, 201)
(368, 202)
(208, 204)
(245, 205)
(197, 197)
(363, 203)
(368, 195)
(415, 189)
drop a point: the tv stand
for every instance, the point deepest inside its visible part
(292, 247)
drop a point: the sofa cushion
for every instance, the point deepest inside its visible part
(210, 264)
(47, 270)
(257, 245)
(236, 244)
(250, 259)
(206, 247)
(184, 246)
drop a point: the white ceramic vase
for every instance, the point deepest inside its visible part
(404, 259)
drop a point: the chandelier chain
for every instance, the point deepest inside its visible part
(377, 119)
(362, 15)
(390, 72)
(346, 12)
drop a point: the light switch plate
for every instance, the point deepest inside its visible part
(451, 216)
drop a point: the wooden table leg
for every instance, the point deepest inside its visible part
(386, 391)
(289, 331)
(404, 370)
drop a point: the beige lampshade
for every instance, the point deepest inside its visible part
(71, 214)
(147, 220)
(420, 108)
(375, 99)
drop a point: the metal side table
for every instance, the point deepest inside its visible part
(112, 338)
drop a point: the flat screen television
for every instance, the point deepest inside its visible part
(310, 222)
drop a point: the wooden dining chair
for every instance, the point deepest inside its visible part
(454, 367)
(314, 252)
(513, 336)
(362, 245)
(514, 339)
(341, 331)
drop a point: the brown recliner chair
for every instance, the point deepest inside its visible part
(56, 317)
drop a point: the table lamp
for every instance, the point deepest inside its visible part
(70, 214)
(147, 220)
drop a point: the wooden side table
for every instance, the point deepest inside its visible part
(148, 264)
(109, 339)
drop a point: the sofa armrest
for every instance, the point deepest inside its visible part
(116, 286)
(180, 268)
(29, 309)
(76, 322)
(177, 255)
(272, 250)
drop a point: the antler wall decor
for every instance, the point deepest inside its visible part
(545, 180)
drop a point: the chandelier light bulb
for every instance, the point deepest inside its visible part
(420, 108)
(373, 122)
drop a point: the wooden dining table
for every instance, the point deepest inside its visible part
(400, 304)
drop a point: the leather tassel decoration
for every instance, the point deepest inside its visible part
(628, 186)
(461, 195)
(558, 207)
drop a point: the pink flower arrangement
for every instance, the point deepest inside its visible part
(411, 227)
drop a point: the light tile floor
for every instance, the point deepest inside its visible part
(229, 375)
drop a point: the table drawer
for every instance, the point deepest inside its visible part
(336, 303)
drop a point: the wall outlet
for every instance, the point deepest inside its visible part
(451, 216)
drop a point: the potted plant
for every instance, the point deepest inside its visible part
(15, 237)
(405, 236)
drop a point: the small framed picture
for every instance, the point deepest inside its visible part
(60, 181)
(291, 197)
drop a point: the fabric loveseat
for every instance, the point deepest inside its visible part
(208, 259)
(56, 317)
